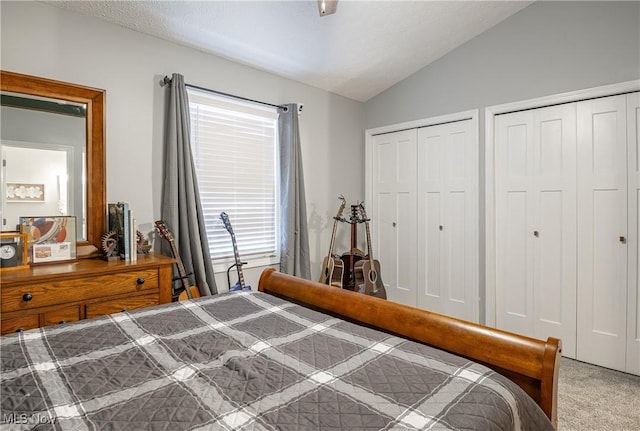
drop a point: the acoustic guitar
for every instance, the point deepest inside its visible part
(332, 267)
(240, 284)
(370, 267)
(189, 292)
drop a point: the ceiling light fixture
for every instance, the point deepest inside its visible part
(327, 7)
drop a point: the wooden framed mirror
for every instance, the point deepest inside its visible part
(89, 177)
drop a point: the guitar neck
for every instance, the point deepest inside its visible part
(354, 233)
(333, 238)
(181, 271)
(238, 261)
(366, 225)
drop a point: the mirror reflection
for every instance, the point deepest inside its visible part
(43, 146)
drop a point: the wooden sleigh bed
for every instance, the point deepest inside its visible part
(294, 355)
(532, 364)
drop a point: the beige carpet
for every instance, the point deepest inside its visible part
(592, 398)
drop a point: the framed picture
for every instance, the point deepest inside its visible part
(20, 192)
(50, 239)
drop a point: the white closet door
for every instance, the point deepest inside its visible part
(633, 302)
(394, 204)
(447, 230)
(554, 245)
(535, 223)
(602, 232)
(514, 221)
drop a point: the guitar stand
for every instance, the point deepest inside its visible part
(229, 269)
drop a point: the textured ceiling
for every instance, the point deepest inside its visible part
(358, 52)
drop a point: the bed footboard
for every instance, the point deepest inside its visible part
(530, 363)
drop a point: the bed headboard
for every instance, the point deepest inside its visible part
(530, 363)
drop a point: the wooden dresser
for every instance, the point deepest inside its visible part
(53, 294)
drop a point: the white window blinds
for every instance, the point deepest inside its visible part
(234, 149)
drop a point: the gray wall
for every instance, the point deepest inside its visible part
(547, 48)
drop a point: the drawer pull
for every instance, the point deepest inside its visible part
(124, 310)
(20, 330)
(62, 322)
(27, 297)
(140, 281)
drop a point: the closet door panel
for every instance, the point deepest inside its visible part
(387, 240)
(433, 237)
(633, 294)
(514, 222)
(457, 257)
(550, 251)
(554, 255)
(515, 271)
(447, 213)
(394, 204)
(430, 155)
(535, 223)
(406, 280)
(602, 232)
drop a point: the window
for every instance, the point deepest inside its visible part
(235, 153)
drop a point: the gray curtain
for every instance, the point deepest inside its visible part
(294, 245)
(181, 209)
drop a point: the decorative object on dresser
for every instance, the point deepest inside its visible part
(142, 244)
(51, 239)
(188, 291)
(46, 295)
(240, 284)
(110, 246)
(332, 267)
(14, 247)
(122, 222)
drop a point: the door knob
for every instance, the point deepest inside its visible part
(536, 233)
(623, 240)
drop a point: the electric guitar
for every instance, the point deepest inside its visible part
(332, 267)
(373, 284)
(189, 292)
(240, 285)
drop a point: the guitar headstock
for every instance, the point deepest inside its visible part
(362, 212)
(164, 230)
(342, 206)
(225, 220)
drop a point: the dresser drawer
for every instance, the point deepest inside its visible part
(8, 326)
(25, 297)
(64, 315)
(118, 305)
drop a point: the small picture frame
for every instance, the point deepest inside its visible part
(51, 239)
(14, 252)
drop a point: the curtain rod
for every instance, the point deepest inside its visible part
(167, 80)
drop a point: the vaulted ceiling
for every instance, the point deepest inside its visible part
(358, 52)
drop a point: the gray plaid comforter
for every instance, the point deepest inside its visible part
(246, 361)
